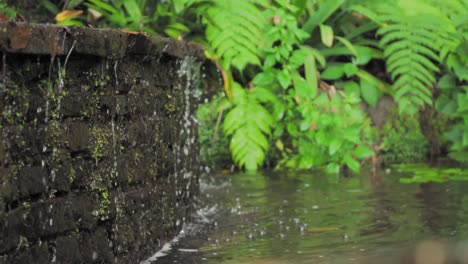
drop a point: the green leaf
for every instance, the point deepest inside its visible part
(332, 168)
(465, 138)
(50, 6)
(325, 10)
(70, 22)
(365, 54)
(335, 145)
(73, 3)
(350, 69)
(102, 7)
(319, 57)
(311, 75)
(352, 163)
(352, 88)
(297, 58)
(284, 78)
(367, 12)
(132, 9)
(326, 33)
(179, 27)
(321, 138)
(369, 92)
(333, 72)
(264, 79)
(301, 87)
(446, 82)
(362, 152)
(347, 45)
(292, 130)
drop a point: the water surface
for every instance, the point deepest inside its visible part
(315, 218)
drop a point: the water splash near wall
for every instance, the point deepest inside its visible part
(190, 71)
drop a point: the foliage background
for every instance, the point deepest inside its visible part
(304, 81)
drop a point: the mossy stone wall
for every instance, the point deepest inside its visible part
(98, 146)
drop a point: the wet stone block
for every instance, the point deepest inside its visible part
(8, 187)
(60, 170)
(110, 105)
(83, 172)
(136, 200)
(73, 105)
(68, 250)
(49, 218)
(10, 226)
(107, 105)
(96, 247)
(78, 136)
(136, 133)
(124, 236)
(142, 101)
(33, 139)
(32, 180)
(3, 152)
(36, 254)
(83, 207)
(136, 173)
(36, 110)
(122, 170)
(121, 105)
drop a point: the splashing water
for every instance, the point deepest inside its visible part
(189, 72)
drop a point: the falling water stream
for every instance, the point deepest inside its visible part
(315, 218)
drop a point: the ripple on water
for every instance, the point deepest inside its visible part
(311, 218)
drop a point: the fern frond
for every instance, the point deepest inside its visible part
(412, 42)
(248, 124)
(234, 31)
(416, 37)
(453, 8)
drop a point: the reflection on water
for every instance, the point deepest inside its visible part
(313, 218)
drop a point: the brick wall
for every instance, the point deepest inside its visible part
(98, 152)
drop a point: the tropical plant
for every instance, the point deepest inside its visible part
(64, 11)
(248, 124)
(416, 37)
(6, 12)
(234, 31)
(453, 102)
(305, 124)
